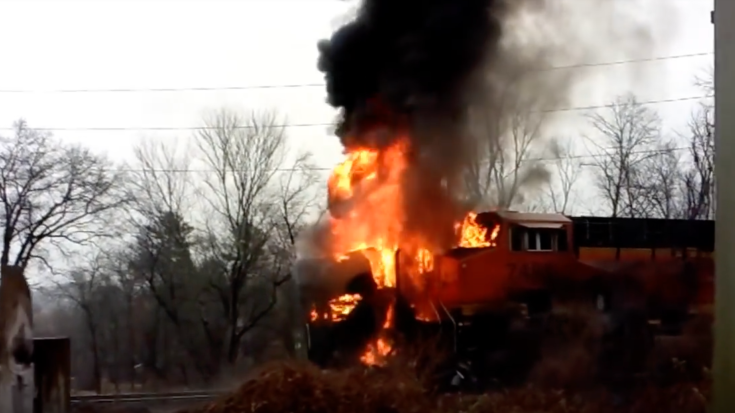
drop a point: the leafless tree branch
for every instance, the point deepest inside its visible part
(626, 133)
(52, 192)
(249, 205)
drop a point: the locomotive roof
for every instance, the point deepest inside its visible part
(533, 217)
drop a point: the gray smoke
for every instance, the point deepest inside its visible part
(539, 67)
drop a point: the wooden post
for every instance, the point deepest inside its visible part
(724, 354)
(16, 333)
(52, 367)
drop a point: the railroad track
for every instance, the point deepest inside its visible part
(133, 398)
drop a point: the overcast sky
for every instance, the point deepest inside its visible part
(50, 46)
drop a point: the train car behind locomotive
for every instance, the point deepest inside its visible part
(667, 264)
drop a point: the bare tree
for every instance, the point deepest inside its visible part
(297, 198)
(244, 154)
(52, 193)
(162, 258)
(131, 288)
(162, 187)
(160, 178)
(627, 134)
(507, 132)
(567, 168)
(706, 82)
(698, 185)
(82, 289)
(658, 182)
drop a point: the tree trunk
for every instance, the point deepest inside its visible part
(233, 349)
(96, 369)
(131, 344)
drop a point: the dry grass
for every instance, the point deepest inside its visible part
(299, 388)
(563, 382)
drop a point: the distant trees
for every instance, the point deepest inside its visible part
(201, 259)
(699, 173)
(637, 169)
(640, 172)
(628, 134)
(560, 190)
(507, 130)
(249, 215)
(82, 289)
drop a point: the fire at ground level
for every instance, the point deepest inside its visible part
(495, 333)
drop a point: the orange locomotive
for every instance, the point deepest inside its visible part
(532, 265)
(663, 267)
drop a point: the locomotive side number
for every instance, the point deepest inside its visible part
(519, 270)
(529, 271)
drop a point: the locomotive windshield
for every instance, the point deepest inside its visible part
(538, 237)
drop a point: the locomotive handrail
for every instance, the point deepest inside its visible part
(308, 336)
(454, 324)
(433, 307)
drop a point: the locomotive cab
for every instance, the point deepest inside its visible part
(522, 252)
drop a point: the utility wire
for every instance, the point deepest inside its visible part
(313, 85)
(322, 124)
(310, 85)
(325, 169)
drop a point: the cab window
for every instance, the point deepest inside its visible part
(538, 239)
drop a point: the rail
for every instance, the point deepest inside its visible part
(191, 396)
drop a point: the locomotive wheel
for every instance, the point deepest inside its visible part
(536, 302)
(602, 302)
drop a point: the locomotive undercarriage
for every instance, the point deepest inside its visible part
(498, 348)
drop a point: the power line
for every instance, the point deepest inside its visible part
(173, 89)
(630, 61)
(324, 124)
(540, 159)
(313, 85)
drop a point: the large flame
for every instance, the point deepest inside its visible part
(367, 185)
(339, 308)
(377, 351)
(366, 206)
(474, 235)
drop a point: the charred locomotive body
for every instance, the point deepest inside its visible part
(341, 342)
(337, 333)
(493, 307)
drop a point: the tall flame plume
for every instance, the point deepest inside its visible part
(367, 212)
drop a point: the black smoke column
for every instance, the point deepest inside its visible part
(408, 70)
(407, 59)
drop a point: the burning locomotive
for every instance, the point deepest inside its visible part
(399, 255)
(485, 285)
(512, 268)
